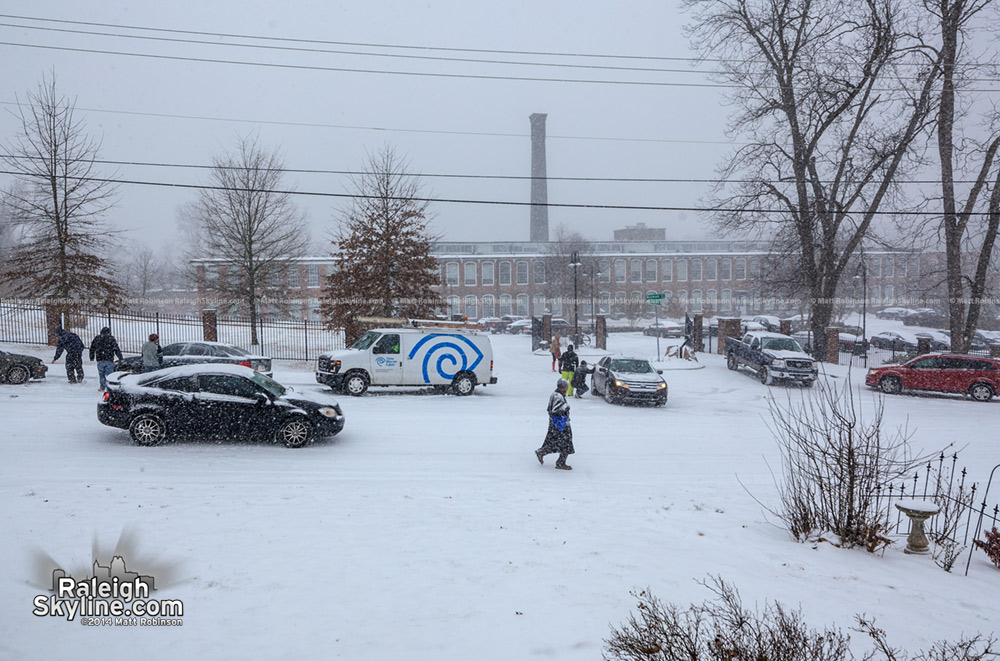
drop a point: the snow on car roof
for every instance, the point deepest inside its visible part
(195, 369)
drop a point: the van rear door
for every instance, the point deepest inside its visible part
(386, 361)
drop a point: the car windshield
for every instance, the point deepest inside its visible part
(365, 340)
(782, 344)
(233, 351)
(268, 384)
(633, 366)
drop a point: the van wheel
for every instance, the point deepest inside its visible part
(731, 361)
(356, 384)
(147, 429)
(464, 384)
(981, 392)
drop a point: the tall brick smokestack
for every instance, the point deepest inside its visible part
(539, 184)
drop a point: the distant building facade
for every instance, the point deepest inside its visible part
(639, 232)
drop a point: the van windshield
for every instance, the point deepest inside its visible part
(366, 340)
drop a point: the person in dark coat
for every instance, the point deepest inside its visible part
(105, 349)
(568, 364)
(579, 381)
(559, 437)
(73, 346)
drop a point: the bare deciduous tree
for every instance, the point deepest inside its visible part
(59, 204)
(570, 287)
(248, 223)
(965, 286)
(143, 271)
(830, 110)
(383, 247)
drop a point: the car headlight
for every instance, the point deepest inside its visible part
(778, 362)
(661, 386)
(329, 412)
(621, 384)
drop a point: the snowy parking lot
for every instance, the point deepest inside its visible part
(427, 529)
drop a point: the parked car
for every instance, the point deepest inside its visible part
(220, 401)
(893, 313)
(769, 322)
(16, 368)
(774, 357)
(628, 379)
(894, 341)
(977, 376)
(188, 353)
(665, 328)
(561, 327)
(745, 327)
(491, 324)
(519, 327)
(926, 317)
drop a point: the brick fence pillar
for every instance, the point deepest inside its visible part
(209, 326)
(547, 328)
(995, 350)
(833, 346)
(786, 326)
(53, 320)
(728, 327)
(601, 331)
(923, 345)
(699, 321)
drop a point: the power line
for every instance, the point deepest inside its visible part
(428, 74)
(398, 130)
(430, 175)
(559, 205)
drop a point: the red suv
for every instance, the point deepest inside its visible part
(976, 375)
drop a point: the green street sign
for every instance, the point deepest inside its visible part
(654, 301)
(655, 297)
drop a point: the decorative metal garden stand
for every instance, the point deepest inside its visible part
(918, 511)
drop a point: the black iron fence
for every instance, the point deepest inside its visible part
(964, 512)
(279, 339)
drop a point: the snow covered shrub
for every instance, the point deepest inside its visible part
(836, 462)
(991, 546)
(722, 629)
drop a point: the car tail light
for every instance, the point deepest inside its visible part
(107, 395)
(244, 363)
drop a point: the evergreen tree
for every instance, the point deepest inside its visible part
(383, 248)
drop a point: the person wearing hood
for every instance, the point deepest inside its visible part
(579, 381)
(559, 438)
(568, 364)
(152, 354)
(73, 346)
(105, 349)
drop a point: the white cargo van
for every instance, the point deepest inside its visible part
(457, 359)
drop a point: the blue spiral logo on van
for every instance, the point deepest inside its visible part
(447, 355)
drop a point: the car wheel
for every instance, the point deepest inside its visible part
(294, 432)
(593, 387)
(765, 376)
(891, 385)
(731, 361)
(356, 384)
(808, 384)
(981, 392)
(18, 374)
(147, 429)
(463, 384)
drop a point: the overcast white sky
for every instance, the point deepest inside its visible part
(181, 112)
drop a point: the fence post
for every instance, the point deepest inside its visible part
(209, 326)
(157, 325)
(305, 331)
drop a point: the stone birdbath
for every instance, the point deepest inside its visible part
(918, 511)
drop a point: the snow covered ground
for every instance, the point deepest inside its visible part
(427, 529)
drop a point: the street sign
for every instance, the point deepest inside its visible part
(652, 301)
(655, 297)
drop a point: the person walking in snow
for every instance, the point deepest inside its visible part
(579, 382)
(152, 354)
(559, 437)
(73, 346)
(568, 364)
(105, 348)
(556, 351)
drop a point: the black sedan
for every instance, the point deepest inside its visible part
(220, 401)
(629, 379)
(17, 368)
(188, 353)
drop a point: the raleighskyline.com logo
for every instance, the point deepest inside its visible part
(112, 596)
